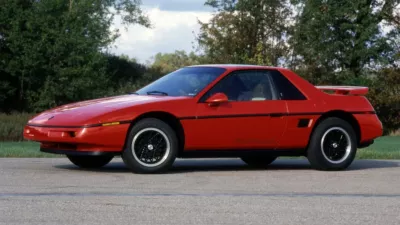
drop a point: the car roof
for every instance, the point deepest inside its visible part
(236, 66)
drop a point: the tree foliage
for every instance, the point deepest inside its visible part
(51, 50)
(384, 94)
(168, 62)
(339, 35)
(247, 31)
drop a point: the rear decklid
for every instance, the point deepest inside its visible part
(344, 90)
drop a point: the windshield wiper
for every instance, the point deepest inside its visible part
(133, 93)
(157, 92)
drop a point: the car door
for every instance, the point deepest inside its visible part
(253, 118)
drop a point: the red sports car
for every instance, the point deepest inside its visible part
(255, 113)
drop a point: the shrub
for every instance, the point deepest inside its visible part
(385, 97)
(12, 126)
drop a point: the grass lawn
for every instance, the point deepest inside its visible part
(23, 150)
(383, 148)
(387, 147)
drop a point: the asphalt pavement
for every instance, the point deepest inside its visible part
(200, 191)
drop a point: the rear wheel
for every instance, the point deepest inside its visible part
(260, 162)
(333, 145)
(90, 161)
(151, 147)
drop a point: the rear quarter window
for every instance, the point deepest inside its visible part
(285, 88)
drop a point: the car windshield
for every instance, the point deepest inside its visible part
(188, 81)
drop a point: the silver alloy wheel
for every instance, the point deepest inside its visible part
(149, 151)
(336, 145)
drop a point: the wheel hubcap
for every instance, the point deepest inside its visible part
(336, 145)
(150, 147)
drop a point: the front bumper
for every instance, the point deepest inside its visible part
(92, 140)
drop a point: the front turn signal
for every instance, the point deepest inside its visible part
(110, 124)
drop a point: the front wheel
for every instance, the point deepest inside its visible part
(90, 161)
(333, 145)
(151, 147)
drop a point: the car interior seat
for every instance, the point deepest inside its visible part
(264, 91)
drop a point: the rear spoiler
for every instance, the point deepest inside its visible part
(345, 90)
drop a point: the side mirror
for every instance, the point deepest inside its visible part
(217, 99)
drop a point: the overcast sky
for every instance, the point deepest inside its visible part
(174, 22)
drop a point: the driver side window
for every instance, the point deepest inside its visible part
(252, 85)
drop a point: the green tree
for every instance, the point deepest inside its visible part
(385, 96)
(341, 35)
(391, 16)
(52, 50)
(246, 31)
(123, 72)
(168, 62)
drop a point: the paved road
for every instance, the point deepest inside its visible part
(52, 191)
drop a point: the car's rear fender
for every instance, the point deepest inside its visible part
(346, 116)
(370, 126)
(366, 125)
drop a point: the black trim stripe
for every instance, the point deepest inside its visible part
(248, 115)
(187, 118)
(224, 116)
(84, 126)
(266, 115)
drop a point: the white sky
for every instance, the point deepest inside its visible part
(174, 22)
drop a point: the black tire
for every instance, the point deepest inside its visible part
(167, 157)
(90, 161)
(323, 158)
(259, 162)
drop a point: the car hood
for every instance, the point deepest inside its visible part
(90, 112)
